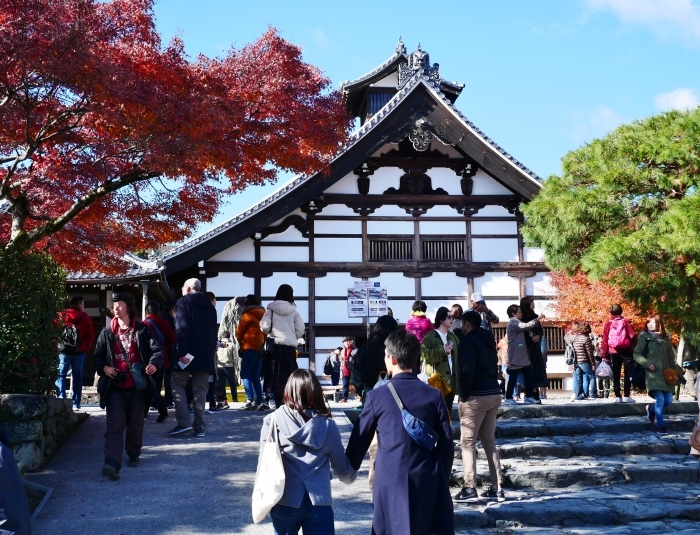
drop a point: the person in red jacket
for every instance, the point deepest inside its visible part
(164, 333)
(617, 345)
(74, 359)
(347, 359)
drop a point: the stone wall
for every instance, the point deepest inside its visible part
(38, 426)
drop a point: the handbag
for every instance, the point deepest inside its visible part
(521, 357)
(670, 376)
(270, 477)
(137, 370)
(269, 345)
(417, 429)
(604, 370)
(436, 381)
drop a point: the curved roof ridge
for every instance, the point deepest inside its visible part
(374, 71)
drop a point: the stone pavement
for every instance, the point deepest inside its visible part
(575, 479)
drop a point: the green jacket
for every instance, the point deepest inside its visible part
(433, 356)
(656, 351)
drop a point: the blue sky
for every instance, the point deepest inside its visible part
(542, 77)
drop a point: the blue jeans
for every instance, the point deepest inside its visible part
(663, 400)
(313, 519)
(251, 363)
(584, 380)
(346, 387)
(76, 363)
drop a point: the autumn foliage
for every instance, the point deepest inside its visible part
(112, 142)
(579, 299)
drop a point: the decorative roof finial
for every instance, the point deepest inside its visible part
(400, 48)
(418, 62)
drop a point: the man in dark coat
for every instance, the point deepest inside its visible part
(195, 327)
(411, 487)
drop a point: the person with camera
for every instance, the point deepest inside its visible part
(126, 356)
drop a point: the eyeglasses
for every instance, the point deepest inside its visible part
(449, 317)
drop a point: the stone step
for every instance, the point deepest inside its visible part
(613, 505)
(558, 426)
(595, 445)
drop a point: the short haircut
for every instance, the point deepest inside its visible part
(210, 295)
(440, 316)
(251, 300)
(153, 308)
(194, 284)
(404, 347)
(472, 317)
(512, 310)
(75, 300)
(616, 310)
(419, 306)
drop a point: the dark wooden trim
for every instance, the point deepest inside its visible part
(394, 267)
(521, 273)
(417, 274)
(258, 274)
(311, 274)
(345, 297)
(367, 273)
(284, 244)
(344, 235)
(365, 241)
(311, 343)
(411, 218)
(495, 236)
(468, 241)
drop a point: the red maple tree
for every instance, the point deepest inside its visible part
(111, 141)
(579, 299)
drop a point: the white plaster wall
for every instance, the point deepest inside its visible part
(291, 234)
(499, 307)
(334, 284)
(320, 359)
(442, 228)
(243, 251)
(337, 209)
(396, 284)
(401, 309)
(303, 363)
(546, 307)
(334, 312)
(231, 284)
(493, 284)
(284, 254)
(269, 285)
(444, 284)
(389, 210)
(493, 210)
(444, 148)
(390, 227)
(540, 284)
(485, 185)
(297, 211)
(383, 179)
(494, 227)
(338, 227)
(385, 148)
(327, 344)
(388, 81)
(440, 210)
(494, 250)
(347, 184)
(533, 254)
(445, 179)
(338, 249)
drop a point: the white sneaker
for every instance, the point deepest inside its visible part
(573, 398)
(628, 399)
(618, 400)
(532, 401)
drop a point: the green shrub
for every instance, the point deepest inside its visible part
(32, 292)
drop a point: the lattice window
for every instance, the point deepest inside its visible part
(377, 101)
(391, 249)
(442, 249)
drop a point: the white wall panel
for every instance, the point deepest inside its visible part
(284, 254)
(243, 251)
(389, 210)
(334, 284)
(499, 307)
(493, 210)
(230, 284)
(485, 185)
(269, 285)
(334, 312)
(347, 184)
(493, 284)
(444, 284)
(388, 81)
(533, 254)
(390, 227)
(320, 359)
(401, 309)
(297, 211)
(494, 250)
(446, 179)
(337, 209)
(440, 210)
(327, 344)
(444, 148)
(494, 227)
(396, 284)
(291, 234)
(338, 227)
(546, 307)
(338, 249)
(303, 363)
(441, 228)
(540, 284)
(383, 179)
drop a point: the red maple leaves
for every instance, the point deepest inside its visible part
(111, 142)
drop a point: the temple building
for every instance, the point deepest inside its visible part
(420, 200)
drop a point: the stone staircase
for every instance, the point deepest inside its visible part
(586, 464)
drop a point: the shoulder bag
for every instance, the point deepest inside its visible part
(270, 478)
(417, 429)
(137, 369)
(521, 357)
(269, 345)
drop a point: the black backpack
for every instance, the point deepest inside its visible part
(68, 341)
(328, 366)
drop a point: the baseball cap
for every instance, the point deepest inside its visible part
(477, 297)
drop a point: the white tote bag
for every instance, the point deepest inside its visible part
(269, 481)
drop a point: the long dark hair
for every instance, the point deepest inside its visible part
(384, 327)
(526, 306)
(303, 392)
(285, 293)
(440, 316)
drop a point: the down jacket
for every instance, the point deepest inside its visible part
(248, 332)
(283, 321)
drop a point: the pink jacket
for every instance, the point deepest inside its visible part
(419, 325)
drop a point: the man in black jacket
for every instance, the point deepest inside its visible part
(195, 327)
(479, 400)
